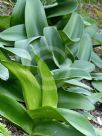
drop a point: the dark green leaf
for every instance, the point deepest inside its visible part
(4, 22)
(30, 86)
(15, 113)
(77, 120)
(55, 44)
(74, 101)
(61, 8)
(18, 13)
(35, 19)
(53, 128)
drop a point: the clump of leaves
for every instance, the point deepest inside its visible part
(46, 55)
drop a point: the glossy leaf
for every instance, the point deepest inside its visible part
(35, 19)
(14, 33)
(49, 128)
(96, 76)
(75, 82)
(97, 85)
(70, 73)
(49, 89)
(55, 44)
(61, 8)
(85, 65)
(18, 13)
(85, 48)
(15, 113)
(30, 86)
(12, 89)
(78, 121)
(74, 28)
(96, 60)
(19, 52)
(70, 100)
(79, 90)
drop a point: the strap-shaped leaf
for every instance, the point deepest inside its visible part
(96, 76)
(18, 13)
(85, 48)
(30, 86)
(72, 100)
(85, 65)
(11, 88)
(14, 112)
(75, 82)
(75, 119)
(96, 60)
(70, 73)
(54, 128)
(61, 8)
(14, 33)
(55, 44)
(35, 18)
(97, 85)
(49, 89)
(19, 52)
(79, 90)
(74, 28)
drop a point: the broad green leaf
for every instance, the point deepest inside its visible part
(19, 52)
(85, 48)
(30, 86)
(96, 60)
(18, 13)
(79, 90)
(61, 8)
(71, 117)
(3, 55)
(95, 97)
(96, 76)
(74, 28)
(75, 82)
(16, 113)
(78, 121)
(54, 128)
(49, 89)
(4, 22)
(72, 100)
(35, 18)
(97, 85)
(70, 73)
(85, 65)
(55, 44)
(4, 73)
(12, 89)
(14, 33)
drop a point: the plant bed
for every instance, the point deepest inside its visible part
(48, 79)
